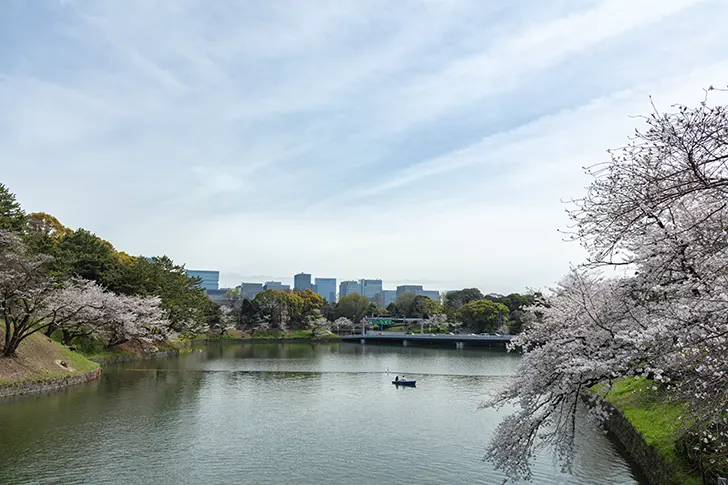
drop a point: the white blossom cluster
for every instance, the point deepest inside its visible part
(31, 302)
(659, 211)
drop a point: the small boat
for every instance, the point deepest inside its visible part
(404, 383)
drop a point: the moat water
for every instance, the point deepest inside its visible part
(278, 414)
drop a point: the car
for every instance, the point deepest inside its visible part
(380, 333)
(497, 334)
(450, 333)
(433, 334)
(484, 335)
(408, 333)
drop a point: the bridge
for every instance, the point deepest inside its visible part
(458, 341)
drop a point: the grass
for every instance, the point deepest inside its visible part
(655, 419)
(38, 360)
(290, 334)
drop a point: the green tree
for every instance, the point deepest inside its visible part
(482, 315)
(43, 233)
(457, 299)
(85, 255)
(12, 216)
(280, 307)
(405, 304)
(311, 301)
(353, 307)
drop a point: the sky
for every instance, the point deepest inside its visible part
(430, 141)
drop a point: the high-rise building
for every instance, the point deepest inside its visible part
(348, 288)
(370, 288)
(249, 290)
(326, 287)
(419, 290)
(388, 297)
(216, 295)
(433, 295)
(302, 282)
(276, 285)
(210, 279)
(416, 289)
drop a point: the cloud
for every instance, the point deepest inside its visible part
(429, 141)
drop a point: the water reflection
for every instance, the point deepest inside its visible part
(279, 413)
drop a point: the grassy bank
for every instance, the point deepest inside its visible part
(39, 359)
(292, 335)
(656, 420)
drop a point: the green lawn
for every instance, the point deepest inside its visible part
(656, 420)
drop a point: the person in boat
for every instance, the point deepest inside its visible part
(403, 378)
(396, 379)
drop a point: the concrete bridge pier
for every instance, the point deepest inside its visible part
(459, 345)
(405, 343)
(362, 341)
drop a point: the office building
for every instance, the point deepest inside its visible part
(419, 290)
(276, 285)
(216, 295)
(433, 295)
(416, 289)
(348, 288)
(326, 287)
(388, 297)
(210, 279)
(249, 290)
(370, 288)
(302, 282)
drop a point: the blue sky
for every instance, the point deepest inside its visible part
(429, 140)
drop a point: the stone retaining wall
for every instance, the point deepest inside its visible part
(653, 465)
(49, 385)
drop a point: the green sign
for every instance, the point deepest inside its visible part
(380, 321)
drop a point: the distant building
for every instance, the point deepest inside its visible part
(419, 290)
(302, 282)
(249, 290)
(388, 297)
(216, 295)
(416, 289)
(276, 285)
(370, 288)
(431, 294)
(210, 279)
(348, 288)
(326, 287)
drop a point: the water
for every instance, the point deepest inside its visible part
(280, 413)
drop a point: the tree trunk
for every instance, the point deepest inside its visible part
(7, 338)
(49, 331)
(11, 346)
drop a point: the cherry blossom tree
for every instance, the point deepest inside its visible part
(31, 302)
(343, 322)
(659, 211)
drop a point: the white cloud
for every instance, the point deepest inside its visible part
(406, 141)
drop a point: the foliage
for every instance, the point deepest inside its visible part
(31, 302)
(83, 254)
(311, 301)
(482, 315)
(454, 300)
(44, 233)
(12, 216)
(353, 307)
(280, 308)
(657, 209)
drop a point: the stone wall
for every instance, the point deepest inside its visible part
(653, 465)
(49, 385)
